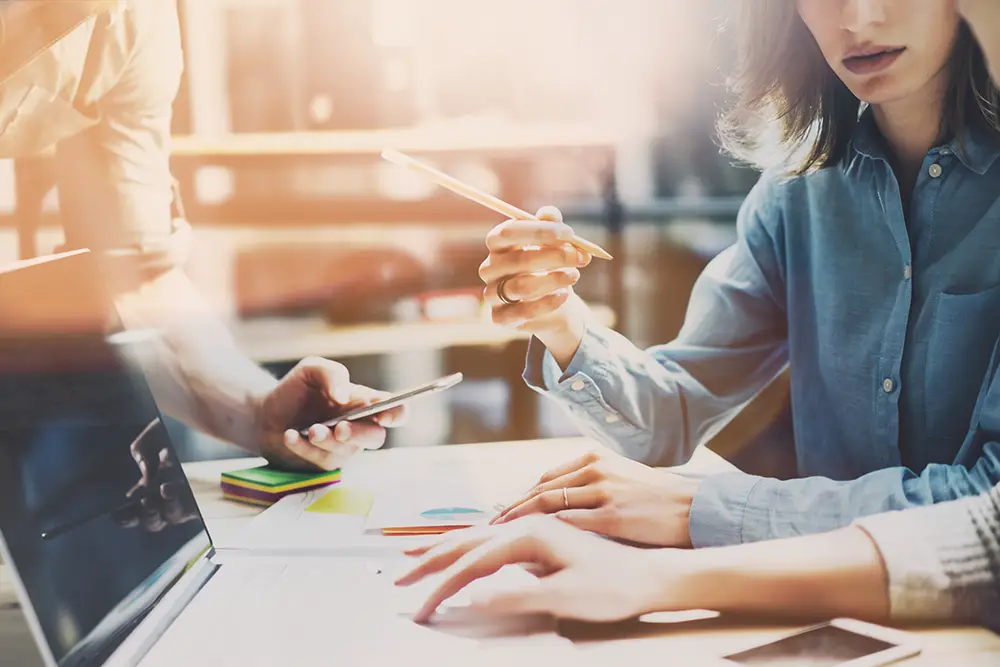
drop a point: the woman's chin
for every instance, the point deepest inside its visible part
(879, 90)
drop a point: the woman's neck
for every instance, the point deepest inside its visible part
(911, 127)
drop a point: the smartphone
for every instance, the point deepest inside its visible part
(393, 401)
(841, 642)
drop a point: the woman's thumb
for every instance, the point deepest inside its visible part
(549, 214)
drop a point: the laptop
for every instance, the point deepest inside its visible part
(113, 564)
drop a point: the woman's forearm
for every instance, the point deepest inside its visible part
(562, 339)
(820, 576)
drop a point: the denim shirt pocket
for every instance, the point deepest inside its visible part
(961, 343)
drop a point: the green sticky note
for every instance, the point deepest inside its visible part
(353, 502)
(268, 476)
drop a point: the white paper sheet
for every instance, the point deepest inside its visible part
(400, 496)
(342, 611)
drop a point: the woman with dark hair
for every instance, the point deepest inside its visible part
(868, 260)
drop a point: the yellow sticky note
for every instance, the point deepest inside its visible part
(342, 500)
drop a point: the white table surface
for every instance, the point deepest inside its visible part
(506, 468)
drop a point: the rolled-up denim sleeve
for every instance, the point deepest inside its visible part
(115, 186)
(736, 508)
(658, 405)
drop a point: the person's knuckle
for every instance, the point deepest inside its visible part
(312, 361)
(593, 456)
(553, 501)
(547, 235)
(594, 473)
(495, 235)
(484, 269)
(529, 311)
(603, 494)
(556, 299)
(569, 255)
(509, 230)
(523, 261)
(501, 316)
(538, 308)
(613, 520)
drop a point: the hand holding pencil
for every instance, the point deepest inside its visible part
(534, 261)
(486, 199)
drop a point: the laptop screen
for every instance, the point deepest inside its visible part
(96, 516)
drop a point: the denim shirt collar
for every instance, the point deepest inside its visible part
(977, 148)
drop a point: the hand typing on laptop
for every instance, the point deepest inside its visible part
(581, 576)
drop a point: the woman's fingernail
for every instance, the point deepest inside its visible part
(581, 258)
(317, 434)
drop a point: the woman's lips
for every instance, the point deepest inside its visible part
(873, 62)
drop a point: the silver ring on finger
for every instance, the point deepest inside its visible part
(502, 294)
(565, 498)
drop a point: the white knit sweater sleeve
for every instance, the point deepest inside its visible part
(943, 561)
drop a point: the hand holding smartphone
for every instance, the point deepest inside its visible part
(393, 401)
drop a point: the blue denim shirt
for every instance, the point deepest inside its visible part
(889, 325)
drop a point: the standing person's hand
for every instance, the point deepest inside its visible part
(315, 391)
(529, 275)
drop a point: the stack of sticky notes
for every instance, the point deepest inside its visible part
(264, 485)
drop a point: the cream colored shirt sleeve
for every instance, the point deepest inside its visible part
(114, 178)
